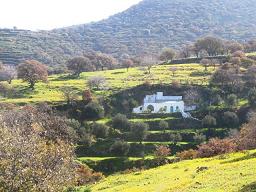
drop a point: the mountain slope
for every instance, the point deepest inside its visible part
(232, 173)
(147, 27)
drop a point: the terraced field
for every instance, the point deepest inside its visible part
(117, 80)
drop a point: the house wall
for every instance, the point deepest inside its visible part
(176, 106)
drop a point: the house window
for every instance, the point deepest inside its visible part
(150, 108)
(177, 109)
(141, 108)
(171, 110)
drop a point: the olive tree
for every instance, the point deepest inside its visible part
(32, 71)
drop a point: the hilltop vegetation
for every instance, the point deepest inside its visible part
(147, 27)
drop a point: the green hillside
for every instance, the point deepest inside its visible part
(117, 80)
(229, 173)
(147, 27)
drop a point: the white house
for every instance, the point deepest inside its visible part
(158, 103)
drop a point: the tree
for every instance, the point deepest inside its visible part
(139, 131)
(32, 71)
(175, 138)
(173, 70)
(167, 54)
(163, 125)
(7, 74)
(250, 77)
(97, 82)
(209, 121)
(91, 111)
(120, 148)
(231, 100)
(87, 96)
(199, 138)
(236, 61)
(121, 122)
(79, 65)
(69, 94)
(100, 130)
(162, 152)
(206, 63)
(212, 45)
(101, 60)
(252, 97)
(230, 119)
(149, 61)
(127, 63)
(6, 90)
(216, 147)
(36, 152)
(247, 137)
(233, 46)
(186, 51)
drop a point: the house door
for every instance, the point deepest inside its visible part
(171, 109)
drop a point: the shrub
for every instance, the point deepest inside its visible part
(121, 122)
(230, 119)
(216, 147)
(162, 152)
(175, 138)
(139, 131)
(209, 121)
(163, 125)
(100, 130)
(231, 100)
(92, 111)
(247, 138)
(252, 97)
(120, 148)
(187, 155)
(199, 138)
(86, 176)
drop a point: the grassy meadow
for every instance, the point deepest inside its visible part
(229, 173)
(117, 80)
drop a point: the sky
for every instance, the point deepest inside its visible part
(50, 14)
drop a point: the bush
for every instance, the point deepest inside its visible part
(187, 155)
(100, 130)
(139, 131)
(209, 121)
(199, 138)
(231, 100)
(163, 125)
(121, 122)
(86, 176)
(216, 147)
(92, 111)
(247, 138)
(252, 97)
(120, 148)
(230, 119)
(162, 152)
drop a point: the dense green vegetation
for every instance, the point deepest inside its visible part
(146, 27)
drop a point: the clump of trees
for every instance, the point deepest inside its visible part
(36, 151)
(32, 71)
(167, 54)
(80, 64)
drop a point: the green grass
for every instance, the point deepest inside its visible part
(229, 173)
(117, 80)
(251, 54)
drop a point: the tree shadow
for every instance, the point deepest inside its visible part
(246, 157)
(249, 188)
